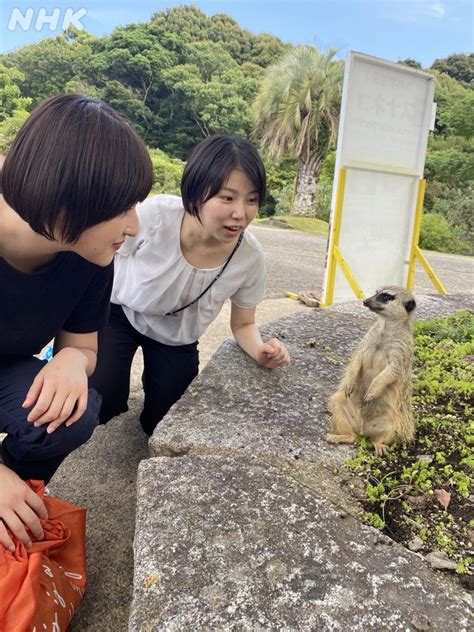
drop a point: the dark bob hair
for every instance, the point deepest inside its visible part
(75, 163)
(209, 166)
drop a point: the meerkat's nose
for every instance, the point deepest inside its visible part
(366, 302)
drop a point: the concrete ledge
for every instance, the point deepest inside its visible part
(248, 527)
(228, 543)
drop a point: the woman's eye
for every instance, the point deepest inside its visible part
(226, 198)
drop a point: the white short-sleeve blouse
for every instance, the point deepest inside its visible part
(152, 277)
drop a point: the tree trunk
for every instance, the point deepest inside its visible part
(306, 187)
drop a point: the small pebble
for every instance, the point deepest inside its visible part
(427, 458)
(416, 544)
(440, 560)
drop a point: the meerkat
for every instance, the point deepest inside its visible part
(374, 396)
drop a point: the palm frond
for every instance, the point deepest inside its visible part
(297, 106)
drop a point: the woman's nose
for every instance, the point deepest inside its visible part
(238, 209)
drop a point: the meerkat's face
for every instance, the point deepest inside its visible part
(392, 302)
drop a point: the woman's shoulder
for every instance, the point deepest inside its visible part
(159, 216)
(159, 212)
(251, 245)
(158, 204)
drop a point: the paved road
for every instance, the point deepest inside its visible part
(295, 262)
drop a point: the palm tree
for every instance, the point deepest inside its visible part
(296, 111)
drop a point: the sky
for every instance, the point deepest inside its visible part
(391, 29)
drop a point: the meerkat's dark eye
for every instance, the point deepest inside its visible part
(385, 297)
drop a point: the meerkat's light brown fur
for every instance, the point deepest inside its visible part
(374, 397)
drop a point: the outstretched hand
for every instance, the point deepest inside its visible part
(273, 354)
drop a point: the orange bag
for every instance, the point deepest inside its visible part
(41, 587)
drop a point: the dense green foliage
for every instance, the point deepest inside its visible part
(449, 169)
(423, 489)
(184, 75)
(177, 78)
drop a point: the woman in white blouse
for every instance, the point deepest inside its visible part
(172, 279)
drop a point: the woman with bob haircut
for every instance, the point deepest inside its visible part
(70, 183)
(191, 254)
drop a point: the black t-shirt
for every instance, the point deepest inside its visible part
(69, 294)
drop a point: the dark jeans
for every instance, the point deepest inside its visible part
(167, 373)
(32, 452)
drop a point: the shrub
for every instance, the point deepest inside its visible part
(167, 172)
(323, 200)
(437, 234)
(284, 197)
(268, 207)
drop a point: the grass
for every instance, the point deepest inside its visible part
(309, 225)
(424, 489)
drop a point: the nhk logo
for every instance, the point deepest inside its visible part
(40, 19)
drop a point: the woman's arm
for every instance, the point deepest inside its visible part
(269, 354)
(59, 391)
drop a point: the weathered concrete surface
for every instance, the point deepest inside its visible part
(229, 543)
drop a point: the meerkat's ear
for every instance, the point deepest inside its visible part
(410, 306)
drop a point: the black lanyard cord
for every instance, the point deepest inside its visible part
(212, 282)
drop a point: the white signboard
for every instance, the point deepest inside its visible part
(386, 114)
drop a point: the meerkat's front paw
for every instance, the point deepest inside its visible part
(367, 400)
(370, 396)
(381, 448)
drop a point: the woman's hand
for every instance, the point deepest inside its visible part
(20, 510)
(272, 354)
(59, 392)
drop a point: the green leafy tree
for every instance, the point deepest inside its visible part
(167, 172)
(9, 128)
(13, 107)
(267, 49)
(448, 93)
(187, 22)
(296, 111)
(10, 93)
(411, 62)
(450, 161)
(210, 90)
(133, 56)
(458, 66)
(50, 64)
(457, 117)
(224, 30)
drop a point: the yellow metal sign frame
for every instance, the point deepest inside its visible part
(335, 256)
